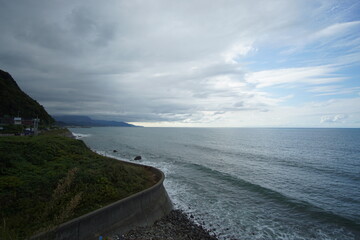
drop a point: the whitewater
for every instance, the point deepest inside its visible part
(251, 183)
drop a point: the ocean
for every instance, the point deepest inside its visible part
(251, 183)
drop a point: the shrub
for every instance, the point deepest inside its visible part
(47, 180)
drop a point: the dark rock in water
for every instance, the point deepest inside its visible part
(114, 151)
(137, 158)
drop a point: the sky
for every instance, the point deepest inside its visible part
(191, 63)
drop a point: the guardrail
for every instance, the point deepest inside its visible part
(140, 209)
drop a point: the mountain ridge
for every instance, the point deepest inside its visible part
(15, 102)
(85, 121)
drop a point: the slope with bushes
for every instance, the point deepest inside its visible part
(50, 179)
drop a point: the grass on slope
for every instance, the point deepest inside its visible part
(50, 179)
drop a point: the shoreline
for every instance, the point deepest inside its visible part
(175, 225)
(140, 208)
(319, 223)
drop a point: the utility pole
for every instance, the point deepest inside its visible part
(36, 126)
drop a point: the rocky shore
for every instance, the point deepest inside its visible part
(175, 226)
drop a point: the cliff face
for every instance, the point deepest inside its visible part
(14, 102)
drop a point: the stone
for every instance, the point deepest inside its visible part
(176, 225)
(137, 158)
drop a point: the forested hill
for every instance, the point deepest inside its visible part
(15, 102)
(85, 121)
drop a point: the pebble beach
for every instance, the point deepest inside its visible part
(176, 225)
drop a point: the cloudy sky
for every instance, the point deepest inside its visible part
(195, 63)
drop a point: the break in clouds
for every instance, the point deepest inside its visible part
(187, 63)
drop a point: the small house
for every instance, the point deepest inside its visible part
(17, 121)
(27, 122)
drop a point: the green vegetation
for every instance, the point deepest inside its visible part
(50, 179)
(15, 102)
(12, 129)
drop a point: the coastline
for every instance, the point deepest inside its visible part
(174, 225)
(142, 208)
(188, 178)
(143, 199)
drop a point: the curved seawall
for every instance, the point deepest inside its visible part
(140, 209)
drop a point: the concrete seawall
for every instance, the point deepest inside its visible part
(140, 209)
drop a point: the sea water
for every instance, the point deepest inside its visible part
(246, 183)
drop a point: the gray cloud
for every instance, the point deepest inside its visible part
(141, 60)
(338, 118)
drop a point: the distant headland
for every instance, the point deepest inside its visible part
(85, 121)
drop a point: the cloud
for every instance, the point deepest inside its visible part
(325, 89)
(173, 61)
(333, 119)
(302, 115)
(236, 51)
(326, 41)
(333, 90)
(335, 30)
(292, 76)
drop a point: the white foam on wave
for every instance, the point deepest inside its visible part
(240, 215)
(107, 154)
(80, 135)
(165, 167)
(212, 216)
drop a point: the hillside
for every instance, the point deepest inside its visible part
(85, 121)
(50, 179)
(14, 102)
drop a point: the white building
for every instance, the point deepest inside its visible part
(17, 120)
